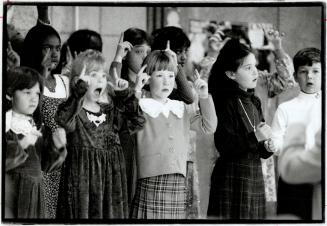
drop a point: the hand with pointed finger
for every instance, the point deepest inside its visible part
(270, 146)
(83, 76)
(13, 59)
(171, 53)
(46, 63)
(122, 49)
(200, 86)
(141, 79)
(117, 84)
(274, 36)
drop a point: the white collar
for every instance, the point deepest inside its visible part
(19, 123)
(304, 95)
(154, 108)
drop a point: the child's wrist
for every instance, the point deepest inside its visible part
(118, 59)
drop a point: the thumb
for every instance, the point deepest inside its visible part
(9, 46)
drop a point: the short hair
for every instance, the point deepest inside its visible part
(176, 36)
(137, 36)
(84, 39)
(159, 60)
(306, 56)
(20, 78)
(92, 59)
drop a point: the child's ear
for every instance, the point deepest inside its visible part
(230, 75)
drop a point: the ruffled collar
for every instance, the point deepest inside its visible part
(19, 123)
(153, 108)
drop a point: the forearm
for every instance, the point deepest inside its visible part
(207, 121)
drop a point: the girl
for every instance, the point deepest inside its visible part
(25, 146)
(42, 43)
(93, 183)
(133, 47)
(163, 144)
(237, 186)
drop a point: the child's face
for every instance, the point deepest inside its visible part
(162, 84)
(136, 56)
(182, 55)
(247, 74)
(97, 86)
(26, 101)
(309, 78)
(52, 43)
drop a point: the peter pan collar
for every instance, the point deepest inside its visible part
(153, 108)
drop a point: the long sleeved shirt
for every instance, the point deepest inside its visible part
(305, 109)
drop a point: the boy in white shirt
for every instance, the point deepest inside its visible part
(304, 109)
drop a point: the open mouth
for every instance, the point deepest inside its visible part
(309, 84)
(97, 91)
(165, 90)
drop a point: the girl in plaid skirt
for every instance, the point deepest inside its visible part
(237, 186)
(163, 143)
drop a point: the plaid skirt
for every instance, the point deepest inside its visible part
(160, 197)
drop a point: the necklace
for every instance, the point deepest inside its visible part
(252, 125)
(51, 84)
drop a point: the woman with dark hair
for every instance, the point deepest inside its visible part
(237, 186)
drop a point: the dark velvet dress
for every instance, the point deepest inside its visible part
(93, 180)
(237, 186)
(24, 191)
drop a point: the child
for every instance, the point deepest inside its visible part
(133, 47)
(93, 183)
(237, 186)
(305, 109)
(25, 147)
(163, 144)
(42, 52)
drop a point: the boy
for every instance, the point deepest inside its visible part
(305, 109)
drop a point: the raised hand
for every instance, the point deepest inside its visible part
(263, 132)
(171, 53)
(274, 36)
(122, 49)
(84, 77)
(13, 59)
(141, 79)
(46, 62)
(118, 84)
(200, 85)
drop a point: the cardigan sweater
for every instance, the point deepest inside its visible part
(163, 143)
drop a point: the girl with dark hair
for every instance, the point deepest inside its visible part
(25, 146)
(237, 186)
(42, 47)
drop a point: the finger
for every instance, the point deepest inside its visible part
(168, 45)
(9, 46)
(75, 54)
(83, 71)
(196, 74)
(69, 53)
(47, 54)
(121, 38)
(142, 69)
(111, 84)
